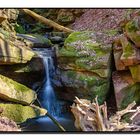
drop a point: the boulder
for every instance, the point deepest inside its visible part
(15, 92)
(83, 85)
(12, 54)
(85, 51)
(35, 40)
(20, 113)
(126, 90)
(132, 30)
(131, 55)
(85, 56)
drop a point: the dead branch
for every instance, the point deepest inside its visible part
(47, 21)
(92, 117)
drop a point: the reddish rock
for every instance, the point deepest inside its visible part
(8, 125)
(121, 80)
(117, 52)
(132, 30)
(131, 55)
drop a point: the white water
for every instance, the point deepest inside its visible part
(47, 95)
(49, 101)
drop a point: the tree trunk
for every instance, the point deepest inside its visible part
(47, 21)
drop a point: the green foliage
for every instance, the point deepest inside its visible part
(19, 29)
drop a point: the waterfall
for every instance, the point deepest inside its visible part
(47, 95)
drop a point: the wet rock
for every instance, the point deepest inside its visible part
(56, 39)
(83, 85)
(85, 55)
(29, 74)
(53, 34)
(35, 40)
(15, 92)
(12, 53)
(126, 90)
(20, 113)
(8, 125)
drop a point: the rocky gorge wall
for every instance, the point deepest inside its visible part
(84, 61)
(18, 72)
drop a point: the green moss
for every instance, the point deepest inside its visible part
(19, 113)
(41, 39)
(75, 36)
(131, 26)
(112, 32)
(16, 92)
(135, 70)
(132, 93)
(101, 92)
(19, 29)
(128, 49)
(88, 85)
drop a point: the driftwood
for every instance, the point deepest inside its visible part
(47, 21)
(92, 117)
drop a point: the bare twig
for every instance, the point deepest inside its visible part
(92, 117)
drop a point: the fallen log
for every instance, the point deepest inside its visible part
(47, 21)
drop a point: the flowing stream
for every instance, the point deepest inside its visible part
(49, 101)
(47, 95)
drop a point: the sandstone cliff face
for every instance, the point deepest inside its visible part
(127, 59)
(18, 63)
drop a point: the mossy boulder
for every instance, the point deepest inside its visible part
(130, 55)
(15, 92)
(10, 53)
(83, 85)
(20, 113)
(35, 40)
(126, 89)
(132, 30)
(135, 72)
(84, 64)
(85, 51)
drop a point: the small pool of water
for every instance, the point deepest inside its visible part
(45, 124)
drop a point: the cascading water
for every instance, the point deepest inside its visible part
(47, 95)
(48, 100)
